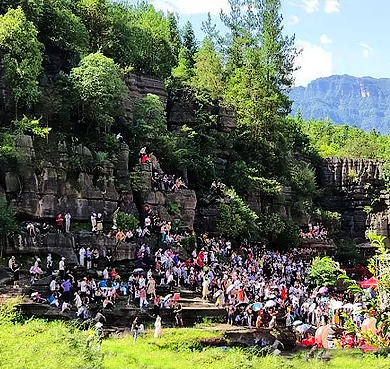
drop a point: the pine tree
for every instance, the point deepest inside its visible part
(208, 71)
(189, 41)
(174, 35)
(259, 68)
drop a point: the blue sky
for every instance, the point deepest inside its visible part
(336, 36)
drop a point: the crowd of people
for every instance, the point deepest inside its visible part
(316, 231)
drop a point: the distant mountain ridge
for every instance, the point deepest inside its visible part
(363, 102)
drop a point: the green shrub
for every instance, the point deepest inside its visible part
(10, 312)
(126, 221)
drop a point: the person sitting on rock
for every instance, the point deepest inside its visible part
(119, 237)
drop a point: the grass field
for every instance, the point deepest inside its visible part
(38, 344)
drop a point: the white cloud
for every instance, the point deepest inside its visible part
(192, 7)
(293, 20)
(324, 39)
(310, 6)
(332, 6)
(314, 62)
(367, 50)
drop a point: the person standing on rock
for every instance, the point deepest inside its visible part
(99, 223)
(157, 327)
(205, 289)
(67, 222)
(61, 268)
(59, 221)
(151, 287)
(82, 255)
(93, 222)
(178, 313)
(15, 270)
(11, 262)
(49, 265)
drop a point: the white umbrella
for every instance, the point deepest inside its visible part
(229, 289)
(348, 306)
(312, 307)
(337, 304)
(270, 303)
(216, 294)
(167, 297)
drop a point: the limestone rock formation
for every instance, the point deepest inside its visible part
(354, 188)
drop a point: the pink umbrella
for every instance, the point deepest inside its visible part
(323, 290)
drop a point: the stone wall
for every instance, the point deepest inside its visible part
(354, 188)
(39, 190)
(138, 86)
(157, 200)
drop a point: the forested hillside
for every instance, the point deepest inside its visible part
(65, 69)
(362, 102)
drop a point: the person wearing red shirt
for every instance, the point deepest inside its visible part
(59, 221)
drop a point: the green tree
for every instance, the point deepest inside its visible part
(174, 35)
(324, 271)
(23, 59)
(59, 26)
(259, 67)
(189, 41)
(100, 86)
(142, 38)
(235, 219)
(149, 128)
(126, 221)
(33, 9)
(95, 16)
(8, 223)
(208, 71)
(183, 72)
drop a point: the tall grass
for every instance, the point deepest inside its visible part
(38, 344)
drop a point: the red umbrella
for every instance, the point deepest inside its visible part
(372, 282)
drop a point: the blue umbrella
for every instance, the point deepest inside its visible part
(297, 322)
(257, 306)
(303, 328)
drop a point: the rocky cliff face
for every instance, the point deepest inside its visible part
(354, 188)
(362, 102)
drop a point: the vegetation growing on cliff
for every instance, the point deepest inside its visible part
(77, 80)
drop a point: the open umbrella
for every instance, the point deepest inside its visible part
(216, 294)
(323, 290)
(297, 322)
(167, 297)
(270, 303)
(229, 289)
(369, 283)
(257, 306)
(241, 304)
(303, 328)
(337, 304)
(348, 306)
(138, 270)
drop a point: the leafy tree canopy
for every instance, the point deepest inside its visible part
(99, 84)
(235, 219)
(324, 271)
(23, 59)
